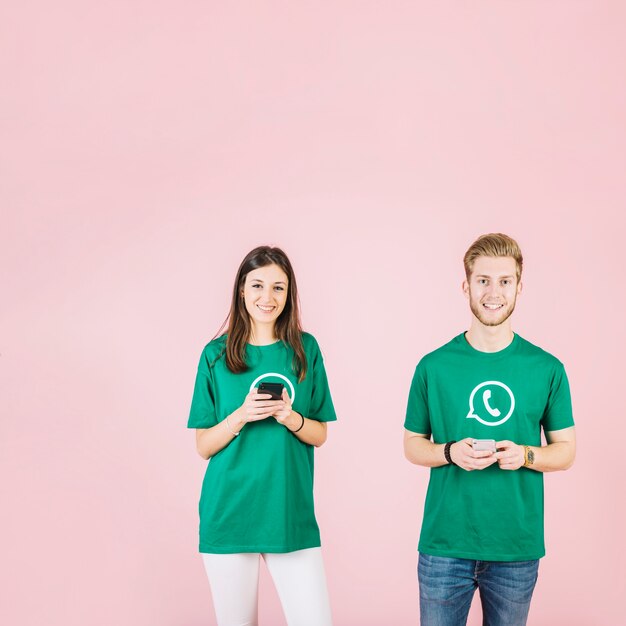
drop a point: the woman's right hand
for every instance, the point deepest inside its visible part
(257, 406)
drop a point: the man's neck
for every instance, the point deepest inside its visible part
(489, 338)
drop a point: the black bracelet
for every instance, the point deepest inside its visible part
(301, 425)
(446, 452)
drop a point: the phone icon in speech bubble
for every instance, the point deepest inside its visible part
(486, 398)
(492, 409)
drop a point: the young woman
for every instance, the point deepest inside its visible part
(257, 494)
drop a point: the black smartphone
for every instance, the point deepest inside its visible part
(274, 389)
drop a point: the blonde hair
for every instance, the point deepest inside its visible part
(494, 245)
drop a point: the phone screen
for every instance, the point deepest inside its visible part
(274, 389)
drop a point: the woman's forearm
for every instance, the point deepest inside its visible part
(312, 431)
(210, 441)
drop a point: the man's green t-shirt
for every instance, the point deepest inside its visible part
(257, 493)
(458, 392)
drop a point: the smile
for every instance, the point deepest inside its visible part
(265, 309)
(493, 307)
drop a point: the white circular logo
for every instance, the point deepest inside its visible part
(490, 412)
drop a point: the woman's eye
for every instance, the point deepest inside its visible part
(279, 288)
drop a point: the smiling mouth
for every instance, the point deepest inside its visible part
(265, 309)
(492, 307)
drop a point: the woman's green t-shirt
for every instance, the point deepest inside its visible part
(257, 493)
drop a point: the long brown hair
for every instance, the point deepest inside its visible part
(288, 328)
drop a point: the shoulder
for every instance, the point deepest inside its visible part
(213, 350)
(441, 354)
(308, 340)
(539, 355)
(311, 347)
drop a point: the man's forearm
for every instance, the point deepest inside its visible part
(422, 451)
(556, 456)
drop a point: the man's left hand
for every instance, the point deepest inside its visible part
(510, 455)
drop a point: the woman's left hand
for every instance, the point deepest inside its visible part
(287, 416)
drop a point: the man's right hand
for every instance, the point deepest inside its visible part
(463, 454)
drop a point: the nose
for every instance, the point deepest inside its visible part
(266, 296)
(495, 289)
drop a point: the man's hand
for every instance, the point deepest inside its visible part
(466, 458)
(510, 455)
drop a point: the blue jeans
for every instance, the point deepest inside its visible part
(447, 587)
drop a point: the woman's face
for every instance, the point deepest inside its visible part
(265, 294)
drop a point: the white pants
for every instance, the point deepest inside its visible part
(298, 576)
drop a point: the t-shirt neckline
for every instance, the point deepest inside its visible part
(489, 355)
(265, 348)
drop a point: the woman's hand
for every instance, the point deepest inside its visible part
(286, 415)
(257, 406)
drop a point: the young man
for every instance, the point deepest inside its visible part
(483, 516)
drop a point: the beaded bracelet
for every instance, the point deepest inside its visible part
(446, 452)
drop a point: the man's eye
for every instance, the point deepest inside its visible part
(482, 281)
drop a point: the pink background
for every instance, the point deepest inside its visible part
(147, 146)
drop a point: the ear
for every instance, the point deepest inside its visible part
(465, 288)
(519, 287)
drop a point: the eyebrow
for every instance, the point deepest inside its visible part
(258, 280)
(500, 277)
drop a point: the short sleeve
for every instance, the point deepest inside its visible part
(417, 416)
(321, 408)
(202, 413)
(558, 412)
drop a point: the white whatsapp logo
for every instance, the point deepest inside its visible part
(272, 375)
(490, 411)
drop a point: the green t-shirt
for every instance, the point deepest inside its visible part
(257, 493)
(459, 392)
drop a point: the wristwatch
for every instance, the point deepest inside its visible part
(529, 456)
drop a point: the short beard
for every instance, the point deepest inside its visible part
(478, 313)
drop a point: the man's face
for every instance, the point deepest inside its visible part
(492, 289)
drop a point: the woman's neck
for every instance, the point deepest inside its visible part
(262, 334)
